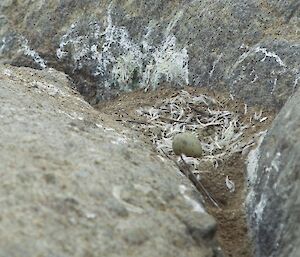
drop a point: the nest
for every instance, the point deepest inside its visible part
(220, 132)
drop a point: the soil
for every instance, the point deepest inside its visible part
(232, 231)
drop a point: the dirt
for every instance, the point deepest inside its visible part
(232, 232)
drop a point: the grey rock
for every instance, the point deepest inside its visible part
(248, 47)
(273, 202)
(74, 185)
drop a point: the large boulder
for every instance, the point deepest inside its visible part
(274, 199)
(247, 47)
(75, 185)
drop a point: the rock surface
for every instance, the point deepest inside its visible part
(250, 48)
(72, 186)
(274, 200)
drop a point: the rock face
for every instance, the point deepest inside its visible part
(247, 47)
(274, 199)
(73, 186)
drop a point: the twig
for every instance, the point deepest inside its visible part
(172, 120)
(198, 183)
(190, 175)
(134, 121)
(200, 111)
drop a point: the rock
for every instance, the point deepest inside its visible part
(75, 185)
(248, 47)
(273, 202)
(188, 144)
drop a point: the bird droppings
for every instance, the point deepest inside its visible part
(230, 184)
(227, 130)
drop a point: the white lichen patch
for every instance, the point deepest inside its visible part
(77, 45)
(263, 56)
(25, 48)
(2, 45)
(258, 49)
(275, 163)
(169, 63)
(259, 209)
(297, 79)
(252, 160)
(252, 176)
(122, 62)
(214, 65)
(124, 70)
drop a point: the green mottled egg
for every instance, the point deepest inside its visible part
(188, 144)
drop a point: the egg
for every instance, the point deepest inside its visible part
(188, 144)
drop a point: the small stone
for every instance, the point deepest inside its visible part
(188, 144)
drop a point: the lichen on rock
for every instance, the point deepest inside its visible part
(112, 54)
